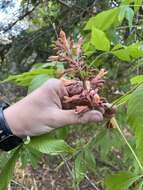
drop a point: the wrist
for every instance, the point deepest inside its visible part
(13, 118)
(8, 140)
(25, 118)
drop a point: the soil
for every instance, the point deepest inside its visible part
(46, 177)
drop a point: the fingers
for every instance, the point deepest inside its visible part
(54, 92)
(68, 117)
(91, 116)
(56, 85)
(59, 117)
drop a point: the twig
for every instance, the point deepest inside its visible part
(70, 6)
(124, 27)
(20, 18)
(64, 3)
(19, 184)
(70, 172)
(91, 183)
(68, 167)
(66, 163)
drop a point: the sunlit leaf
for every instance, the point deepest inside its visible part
(137, 79)
(127, 53)
(137, 4)
(24, 79)
(122, 100)
(51, 146)
(103, 20)
(99, 40)
(135, 50)
(126, 2)
(122, 54)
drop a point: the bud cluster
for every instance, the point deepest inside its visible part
(84, 82)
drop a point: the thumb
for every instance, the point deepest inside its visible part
(68, 117)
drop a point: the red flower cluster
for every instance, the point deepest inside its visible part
(84, 82)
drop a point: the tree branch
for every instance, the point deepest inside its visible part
(64, 3)
(20, 18)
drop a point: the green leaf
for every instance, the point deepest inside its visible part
(4, 157)
(118, 47)
(135, 118)
(113, 35)
(89, 159)
(120, 181)
(122, 100)
(122, 13)
(24, 79)
(137, 79)
(51, 146)
(99, 40)
(137, 5)
(105, 145)
(80, 169)
(30, 156)
(126, 2)
(135, 50)
(103, 20)
(135, 111)
(127, 53)
(88, 48)
(129, 15)
(7, 171)
(126, 12)
(37, 82)
(122, 54)
(57, 64)
(61, 133)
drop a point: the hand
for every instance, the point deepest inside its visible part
(41, 111)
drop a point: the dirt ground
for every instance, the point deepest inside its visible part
(45, 177)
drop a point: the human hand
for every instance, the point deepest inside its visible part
(41, 111)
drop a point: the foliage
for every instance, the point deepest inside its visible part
(50, 146)
(135, 117)
(121, 181)
(7, 171)
(113, 39)
(26, 78)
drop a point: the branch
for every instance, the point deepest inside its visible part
(19, 184)
(21, 18)
(70, 6)
(64, 3)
